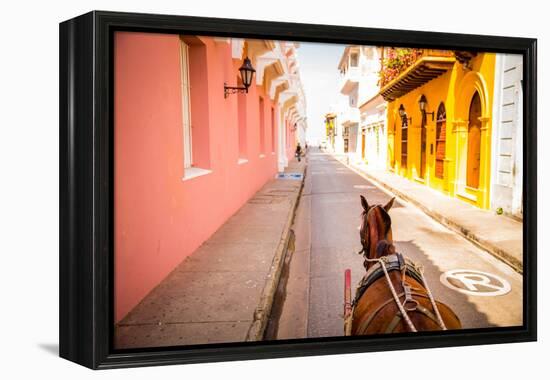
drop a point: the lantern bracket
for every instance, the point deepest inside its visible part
(247, 73)
(227, 90)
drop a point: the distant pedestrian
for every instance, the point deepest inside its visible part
(298, 153)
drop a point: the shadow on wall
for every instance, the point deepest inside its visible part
(467, 312)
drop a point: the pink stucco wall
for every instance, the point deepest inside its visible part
(160, 218)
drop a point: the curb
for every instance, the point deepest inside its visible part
(262, 312)
(487, 246)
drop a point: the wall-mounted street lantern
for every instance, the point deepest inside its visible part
(403, 115)
(247, 72)
(422, 104)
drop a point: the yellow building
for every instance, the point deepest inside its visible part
(330, 129)
(439, 119)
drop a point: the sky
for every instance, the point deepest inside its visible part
(320, 78)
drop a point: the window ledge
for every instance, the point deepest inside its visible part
(194, 172)
(262, 155)
(242, 161)
(467, 196)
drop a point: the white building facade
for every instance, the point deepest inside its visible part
(507, 137)
(286, 86)
(373, 133)
(361, 126)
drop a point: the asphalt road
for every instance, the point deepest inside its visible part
(310, 299)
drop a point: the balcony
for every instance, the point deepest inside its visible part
(407, 69)
(349, 116)
(349, 79)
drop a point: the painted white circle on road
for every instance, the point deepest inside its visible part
(475, 283)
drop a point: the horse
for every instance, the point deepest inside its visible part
(393, 296)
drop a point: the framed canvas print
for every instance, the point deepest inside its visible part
(235, 189)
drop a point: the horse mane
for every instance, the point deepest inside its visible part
(384, 248)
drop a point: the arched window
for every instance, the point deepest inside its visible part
(423, 137)
(440, 138)
(474, 143)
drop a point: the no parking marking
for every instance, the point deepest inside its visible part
(475, 283)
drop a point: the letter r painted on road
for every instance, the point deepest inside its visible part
(475, 282)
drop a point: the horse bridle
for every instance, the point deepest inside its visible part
(366, 245)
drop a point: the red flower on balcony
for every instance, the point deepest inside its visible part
(395, 62)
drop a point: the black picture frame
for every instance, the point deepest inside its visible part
(86, 188)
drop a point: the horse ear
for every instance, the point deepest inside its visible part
(364, 203)
(389, 204)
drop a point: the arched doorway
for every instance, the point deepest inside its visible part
(440, 139)
(474, 143)
(423, 146)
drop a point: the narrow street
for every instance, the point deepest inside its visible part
(310, 298)
(215, 213)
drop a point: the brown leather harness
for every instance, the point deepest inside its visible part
(383, 264)
(394, 262)
(398, 316)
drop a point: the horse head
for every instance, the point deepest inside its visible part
(375, 231)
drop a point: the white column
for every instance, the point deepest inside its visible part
(282, 161)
